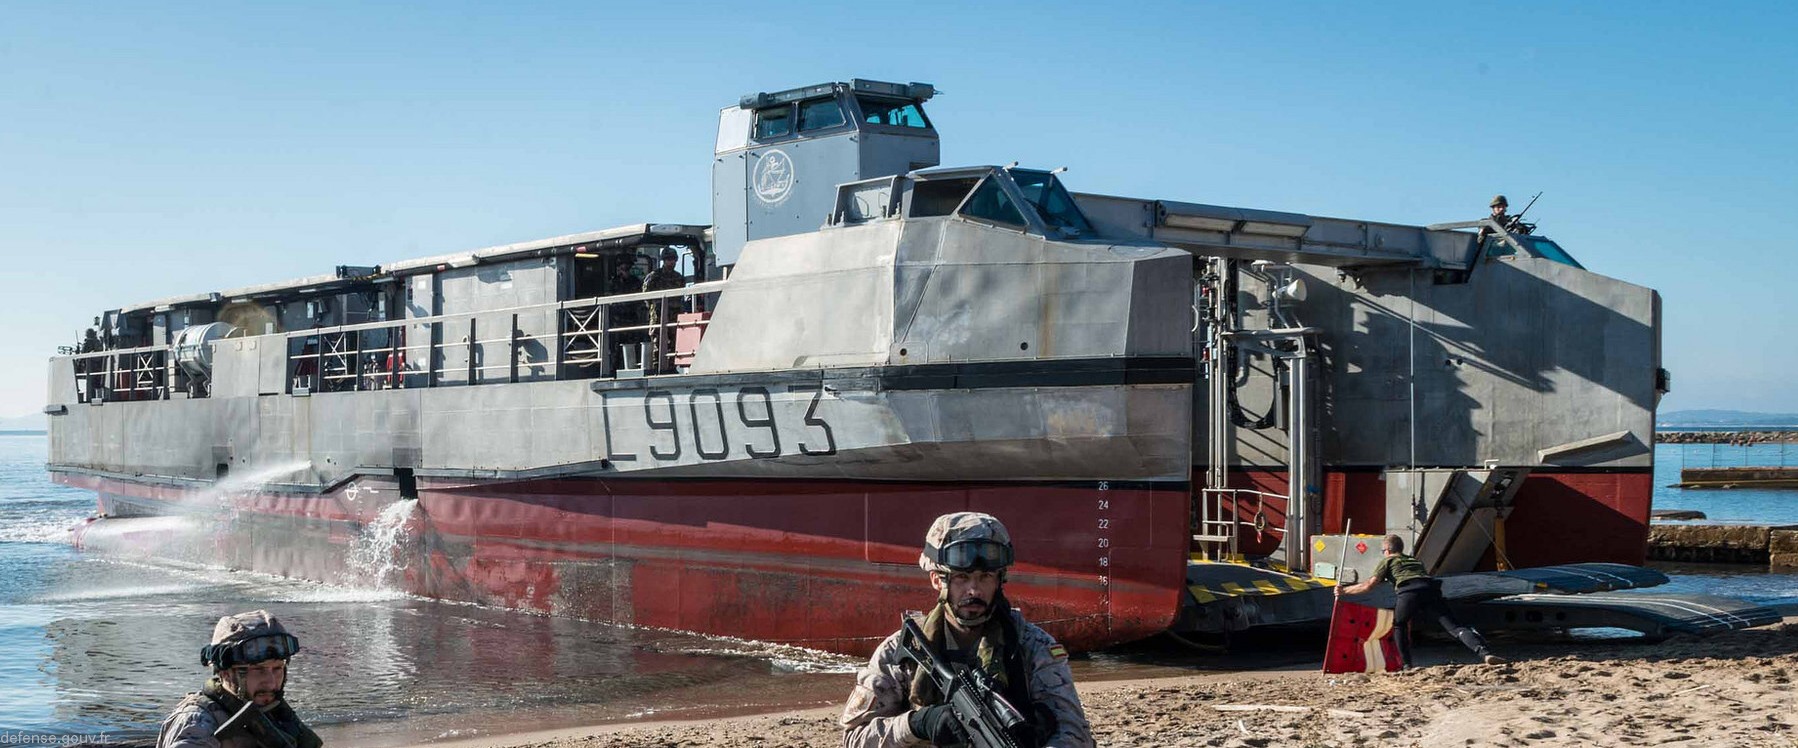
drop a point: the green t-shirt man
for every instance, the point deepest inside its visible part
(1399, 568)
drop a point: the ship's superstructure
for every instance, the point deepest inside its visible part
(862, 342)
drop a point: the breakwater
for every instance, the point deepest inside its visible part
(1764, 545)
(1726, 437)
(1738, 477)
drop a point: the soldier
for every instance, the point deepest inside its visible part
(248, 655)
(967, 555)
(1419, 595)
(664, 278)
(1499, 205)
(630, 313)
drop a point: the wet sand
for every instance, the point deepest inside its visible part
(1733, 689)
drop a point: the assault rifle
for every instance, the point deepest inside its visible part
(251, 720)
(983, 713)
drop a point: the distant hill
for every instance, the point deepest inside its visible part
(1725, 418)
(27, 422)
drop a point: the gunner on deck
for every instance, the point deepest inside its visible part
(1419, 594)
(967, 555)
(1499, 206)
(248, 655)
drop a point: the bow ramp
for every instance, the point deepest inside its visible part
(1595, 596)
(1225, 596)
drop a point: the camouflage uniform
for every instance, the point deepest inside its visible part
(199, 715)
(878, 712)
(192, 723)
(663, 279)
(875, 716)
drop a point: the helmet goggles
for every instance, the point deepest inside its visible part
(982, 554)
(269, 647)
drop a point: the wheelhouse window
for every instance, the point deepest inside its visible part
(991, 203)
(819, 114)
(1052, 201)
(1535, 246)
(1548, 250)
(774, 122)
(939, 197)
(892, 112)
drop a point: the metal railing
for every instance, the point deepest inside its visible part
(574, 339)
(124, 375)
(1757, 454)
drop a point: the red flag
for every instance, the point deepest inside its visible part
(1360, 640)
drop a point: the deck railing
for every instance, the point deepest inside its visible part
(574, 339)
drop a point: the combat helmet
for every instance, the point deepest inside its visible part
(248, 638)
(966, 541)
(1498, 200)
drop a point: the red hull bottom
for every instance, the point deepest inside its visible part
(823, 564)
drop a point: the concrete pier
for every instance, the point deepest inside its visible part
(1760, 545)
(1738, 477)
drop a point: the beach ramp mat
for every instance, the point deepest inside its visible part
(1652, 615)
(1360, 640)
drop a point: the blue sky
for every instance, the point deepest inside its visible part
(149, 152)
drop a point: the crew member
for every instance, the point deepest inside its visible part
(248, 656)
(967, 555)
(1418, 595)
(628, 314)
(1499, 205)
(664, 278)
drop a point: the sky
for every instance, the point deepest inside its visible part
(150, 151)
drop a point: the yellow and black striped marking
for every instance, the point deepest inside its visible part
(1268, 583)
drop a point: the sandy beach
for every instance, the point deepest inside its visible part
(1729, 690)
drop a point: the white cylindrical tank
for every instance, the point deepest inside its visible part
(193, 347)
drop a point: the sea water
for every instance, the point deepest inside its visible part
(97, 648)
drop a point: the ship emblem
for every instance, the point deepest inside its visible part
(773, 177)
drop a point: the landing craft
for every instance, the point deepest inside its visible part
(1153, 395)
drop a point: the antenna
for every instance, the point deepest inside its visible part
(1526, 208)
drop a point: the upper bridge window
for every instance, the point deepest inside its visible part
(774, 122)
(818, 114)
(892, 112)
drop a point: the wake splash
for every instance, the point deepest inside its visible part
(382, 548)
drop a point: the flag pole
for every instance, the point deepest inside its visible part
(1336, 594)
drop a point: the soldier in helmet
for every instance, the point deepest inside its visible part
(664, 278)
(1499, 206)
(248, 656)
(967, 555)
